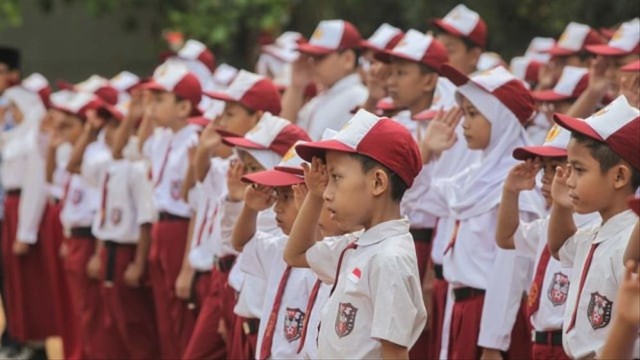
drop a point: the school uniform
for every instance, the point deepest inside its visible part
(596, 257)
(377, 294)
(332, 108)
(550, 287)
(168, 153)
(80, 202)
(126, 203)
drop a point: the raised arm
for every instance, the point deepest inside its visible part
(586, 103)
(293, 97)
(440, 134)
(561, 224)
(256, 198)
(92, 127)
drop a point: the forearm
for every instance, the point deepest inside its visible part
(586, 104)
(144, 243)
(632, 252)
(244, 228)
(187, 248)
(144, 132)
(303, 232)
(201, 163)
(292, 101)
(122, 135)
(51, 164)
(189, 182)
(508, 219)
(561, 228)
(393, 351)
(621, 341)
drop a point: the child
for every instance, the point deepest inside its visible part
(548, 292)
(464, 34)
(176, 94)
(603, 172)
(331, 59)
(376, 307)
(495, 105)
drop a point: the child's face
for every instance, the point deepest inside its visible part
(589, 188)
(250, 164)
(328, 226)
(164, 108)
(613, 73)
(285, 209)
(548, 166)
(327, 69)
(237, 119)
(347, 196)
(407, 84)
(460, 57)
(477, 129)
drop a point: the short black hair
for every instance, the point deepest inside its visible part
(356, 54)
(468, 44)
(398, 186)
(606, 157)
(10, 56)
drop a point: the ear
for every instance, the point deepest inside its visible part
(621, 176)
(184, 108)
(256, 117)
(474, 55)
(348, 59)
(430, 82)
(380, 182)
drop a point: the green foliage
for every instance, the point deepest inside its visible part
(10, 13)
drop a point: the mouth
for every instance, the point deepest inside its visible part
(332, 214)
(574, 198)
(545, 192)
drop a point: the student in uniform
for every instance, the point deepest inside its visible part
(175, 95)
(603, 172)
(464, 34)
(375, 308)
(247, 99)
(330, 58)
(559, 99)
(495, 106)
(548, 291)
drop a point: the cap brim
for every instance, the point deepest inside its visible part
(225, 133)
(319, 148)
(548, 95)
(560, 51)
(153, 86)
(291, 170)
(65, 85)
(199, 120)
(387, 56)
(576, 125)
(528, 152)
(634, 66)
(634, 204)
(242, 143)
(607, 50)
(455, 76)
(425, 115)
(314, 50)
(218, 95)
(273, 178)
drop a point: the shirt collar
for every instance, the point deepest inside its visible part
(183, 134)
(384, 231)
(345, 83)
(612, 227)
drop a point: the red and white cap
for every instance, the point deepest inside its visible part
(632, 67)
(626, 40)
(288, 172)
(539, 47)
(443, 99)
(419, 47)
(634, 204)
(555, 145)
(331, 36)
(384, 38)
(489, 60)
(79, 103)
(574, 40)
(526, 68)
(95, 84)
(498, 82)
(224, 75)
(175, 78)
(253, 91)
(617, 125)
(285, 46)
(464, 22)
(59, 99)
(270, 133)
(38, 84)
(124, 81)
(382, 139)
(573, 81)
(195, 50)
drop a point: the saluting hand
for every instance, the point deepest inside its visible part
(20, 248)
(299, 193)
(210, 139)
(560, 189)
(259, 197)
(235, 186)
(316, 176)
(440, 135)
(522, 176)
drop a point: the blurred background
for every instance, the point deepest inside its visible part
(72, 39)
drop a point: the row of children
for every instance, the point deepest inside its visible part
(359, 199)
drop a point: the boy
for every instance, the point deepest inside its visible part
(603, 172)
(330, 58)
(464, 34)
(376, 299)
(175, 94)
(548, 292)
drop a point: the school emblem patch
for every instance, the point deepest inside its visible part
(293, 321)
(558, 289)
(116, 216)
(599, 311)
(76, 196)
(345, 319)
(176, 189)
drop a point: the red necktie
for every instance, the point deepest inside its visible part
(103, 205)
(164, 164)
(204, 222)
(533, 301)
(307, 315)
(454, 236)
(65, 194)
(583, 277)
(267, 339)
(353, 245)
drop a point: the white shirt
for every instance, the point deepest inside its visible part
(596, 306)
(169, 163)
(128, 203)
(60, 173)
(530, 240)
(332, 108)
(251, 291)
(378, 294)
(33, 199)
(262, 257)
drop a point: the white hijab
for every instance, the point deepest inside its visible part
(479, 188)
(22, 139)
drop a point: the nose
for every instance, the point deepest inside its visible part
(328, 193)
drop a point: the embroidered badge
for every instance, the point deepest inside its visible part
(76, 196)
(293, 320)
(558, 289)
(345, 319)
(599, 311)
(176, 189)
(116, 216)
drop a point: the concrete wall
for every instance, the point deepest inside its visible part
(69, 43)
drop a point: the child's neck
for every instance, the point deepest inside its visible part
(177, 125)
(421, 104)
(386, 211)
(616, 206)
